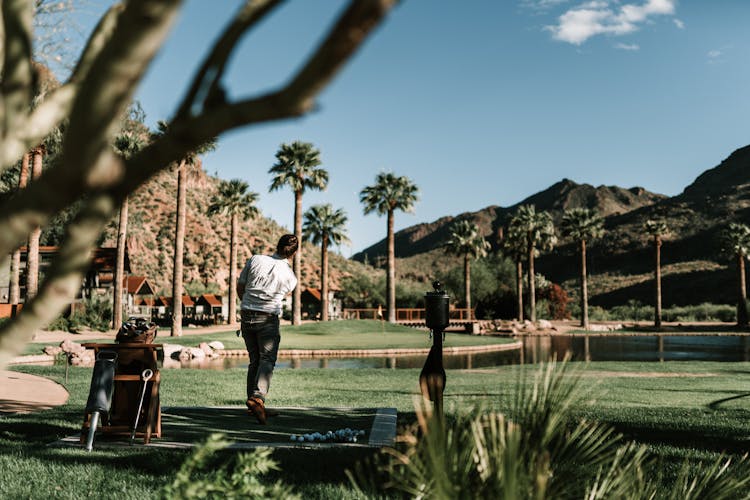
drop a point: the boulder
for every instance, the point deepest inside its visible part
(544, 324)
(71, 347)
(216, 345)
(51, 350)
(172, 351)
(196, 353)
(206, 349)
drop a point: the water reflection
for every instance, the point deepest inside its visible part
(637, 348)
(535, 349)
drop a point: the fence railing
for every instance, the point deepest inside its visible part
(405, 314)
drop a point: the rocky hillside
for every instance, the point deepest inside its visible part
(620, 264)
(563, 195)
(206, 261)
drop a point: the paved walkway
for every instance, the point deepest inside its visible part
(24, 393)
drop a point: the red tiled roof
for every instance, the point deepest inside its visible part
(147, 301)
(314, 292)
(212, 299)
(187, 301)
(133, 284)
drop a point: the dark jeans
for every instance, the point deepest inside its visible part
(262, 337)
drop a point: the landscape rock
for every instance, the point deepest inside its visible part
(207, 351)
(71, 347)
(216, 345)
(51, 350)
(172, 350)
(544, 324)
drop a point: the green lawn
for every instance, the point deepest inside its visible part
(681, 410)
(351, 334)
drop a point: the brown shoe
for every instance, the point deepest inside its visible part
(258, 409)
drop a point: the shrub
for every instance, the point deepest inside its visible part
(206, 475)
(94, 313)
(537, 451)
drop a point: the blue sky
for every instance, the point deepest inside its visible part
(484, 102)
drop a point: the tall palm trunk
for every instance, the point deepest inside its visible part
(179, 246)
(122, 231)
(297, 294)
(742, 315)
(519, 287)
(657, 278)
(324, 278)
(584, 289)
(15, 261)
(467, 284)
(32, 255)
(235, 225)
(390, 278)
(532, 285)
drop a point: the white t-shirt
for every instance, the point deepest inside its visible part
(267, 280)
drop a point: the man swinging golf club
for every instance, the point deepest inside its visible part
(263, 284)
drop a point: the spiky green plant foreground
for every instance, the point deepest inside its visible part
(537, 451)
(204, 475)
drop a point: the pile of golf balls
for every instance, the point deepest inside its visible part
(339, 436)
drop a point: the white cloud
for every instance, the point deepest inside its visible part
(713, 54)
(627, 46)
(597, 18)
(541, 4)
(679, 24)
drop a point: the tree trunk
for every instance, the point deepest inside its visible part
(324, 278)
(584, 289)
(297, 294)
(179, 246)
(742, 315)
(467, 284)
(32, 254)
(232, 319)
(657, 278)
(532, 285)
(390, 278)
(519, 287)
(15, 261)
(122, 232)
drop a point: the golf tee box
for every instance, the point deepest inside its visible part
(132, 401)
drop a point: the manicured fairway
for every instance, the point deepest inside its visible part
(682, 410)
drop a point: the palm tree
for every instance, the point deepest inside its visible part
(514, 246)
(234, 200)
(15, 263)
(583, 225)
(388, 194)
(32, 250)
(539, 235)
(189, 160)
(466, 241)
(657, 229)
(325, 226)
(297, 167)
(736, 242)
(126, 145)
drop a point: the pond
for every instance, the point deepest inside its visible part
(535, 349)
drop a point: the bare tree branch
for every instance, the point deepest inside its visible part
(57, 104)
(63, 277)
(87, 162)
(209, 75)
(88, 167)
(18, 75)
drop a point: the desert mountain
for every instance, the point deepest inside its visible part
(621, 263)
(561, 196)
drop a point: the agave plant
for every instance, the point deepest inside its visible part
(536, 451)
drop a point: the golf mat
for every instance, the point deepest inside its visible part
(185, 427)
